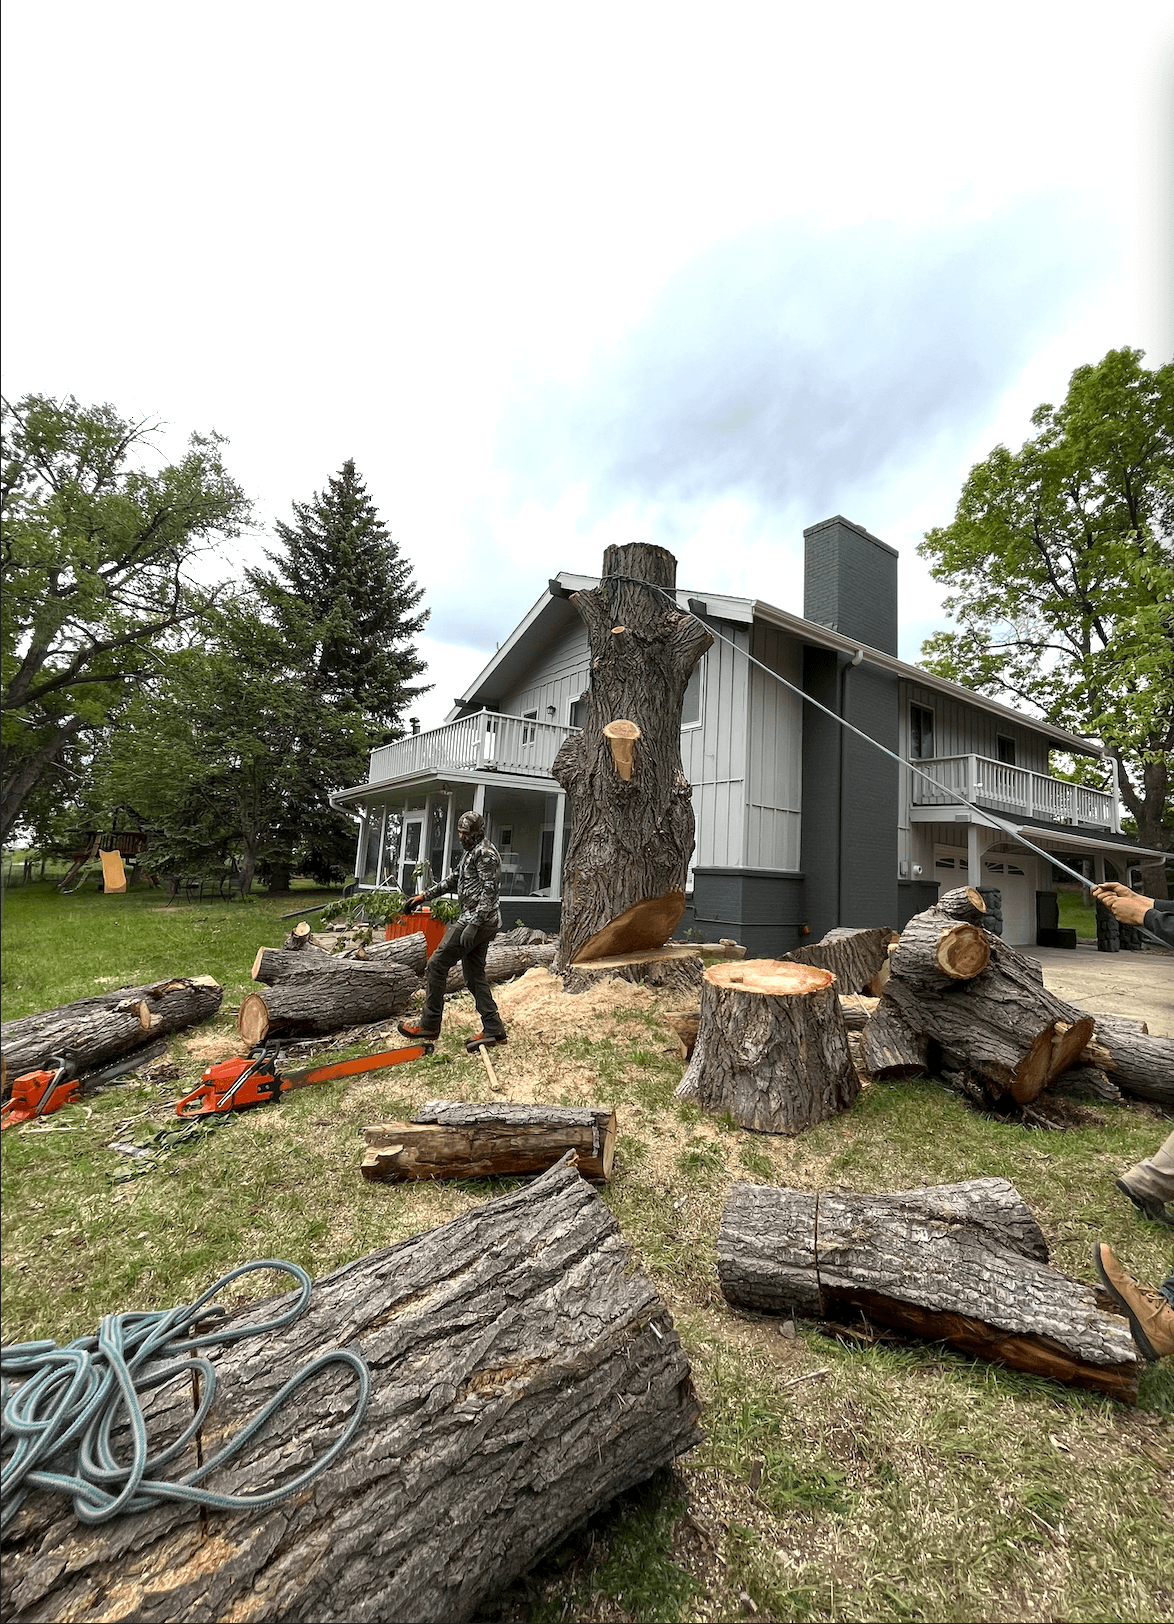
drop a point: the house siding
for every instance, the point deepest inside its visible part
(962, 730)
(556, 678)
(713, 754)
(774, 756)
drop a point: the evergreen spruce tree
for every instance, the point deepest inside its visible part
(346, 578)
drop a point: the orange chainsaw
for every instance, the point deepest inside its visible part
(59, 1083)
(257, 1080)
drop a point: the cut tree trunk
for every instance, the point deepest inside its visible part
(447, 1139)
(1001, 1024)
(349, 994)
(772, 1048)
(858, 1010)
(506, 1350)
(504, 961)
(959, 1263)
(964, 903)
(936, 950)
(1139, 1062)
(629, 840)
(298, 937)
(672, 969)
(274, 964)
(892, 1049)
(99, 1029)
(857, 958)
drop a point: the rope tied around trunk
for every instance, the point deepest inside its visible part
(72, 1397)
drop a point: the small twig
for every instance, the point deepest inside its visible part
(808, 1376)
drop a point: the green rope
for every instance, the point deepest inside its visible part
(72, 1397)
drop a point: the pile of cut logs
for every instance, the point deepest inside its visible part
(782, 1044)
(309, 990)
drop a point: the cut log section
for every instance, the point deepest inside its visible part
(965, 903)
(349, 994)
(964, 1264)
(857, 1010)
(504, 961)
(621, 737)
(859, 959)
(298, 937)
(506, 1349)
(892, 1049)
(1137, 1061)
(772, 1048)
(685, 1023)
(94, 1030)
(936, 949)
(447, 1139)
(671, 968)
(1001, 1024)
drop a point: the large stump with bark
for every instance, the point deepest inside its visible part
(94, 1030)
(523, 1373)
(965, 1264)
(629, 814)
(771, 1047)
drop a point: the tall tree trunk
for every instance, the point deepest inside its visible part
(630, 827)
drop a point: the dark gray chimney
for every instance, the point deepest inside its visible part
(850, 583)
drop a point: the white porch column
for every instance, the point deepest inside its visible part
(1098, 868)
(448, 834)
(479, 799)
(556, 859)
(1115, 793)
(379, 823)
(361, 850)
(973, 855)
(426, 834)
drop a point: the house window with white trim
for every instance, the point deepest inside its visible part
(691, 703)
(920, 733)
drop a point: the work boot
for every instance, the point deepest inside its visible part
(416, 1032)
(1150, 1185)
(1151, 1319)
(485, 1040)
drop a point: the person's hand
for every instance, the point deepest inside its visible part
(469, 937)
(412, 904)
(1126, 906)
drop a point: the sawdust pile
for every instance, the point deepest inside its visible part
(536, 1008)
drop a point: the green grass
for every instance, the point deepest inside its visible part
(838, 1480)
(1075, 915)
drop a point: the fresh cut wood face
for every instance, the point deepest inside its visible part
(773, 977)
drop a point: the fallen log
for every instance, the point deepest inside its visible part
(447, 1139)
(684, 1023)
(1002, 1023)
(858, 959)
(771, 1046)
(892, 1049)
(1087, 1083)
(672, 968)
(964, 903)
(857, 1010)
(506, 1348)
(937, 949)
(94, 1030)
(959, 1263)
(504, 961)
(1139, 1062)
(348, 994)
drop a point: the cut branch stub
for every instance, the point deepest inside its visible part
(621, 737)
(772, 1047)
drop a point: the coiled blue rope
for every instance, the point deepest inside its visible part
(74, 1397)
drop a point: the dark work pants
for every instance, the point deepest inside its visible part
(472, 963)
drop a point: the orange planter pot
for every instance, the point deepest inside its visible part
(421, 920)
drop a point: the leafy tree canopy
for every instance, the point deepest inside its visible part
(92, 570)
(340, 572)
(1061, 562)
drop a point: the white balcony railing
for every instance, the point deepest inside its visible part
(485, 741)
(1014, 789)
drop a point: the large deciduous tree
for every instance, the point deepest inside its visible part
(1060, 558)
(93, 572)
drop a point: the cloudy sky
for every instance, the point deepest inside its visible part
(559, 275)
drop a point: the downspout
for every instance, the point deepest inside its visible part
(844, 670)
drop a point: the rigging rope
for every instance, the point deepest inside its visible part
(807, 699)
(74, 1396)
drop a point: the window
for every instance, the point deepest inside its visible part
(920, 733)
(1005, 748)
(578, 711)
(691, 704)
(528, 733)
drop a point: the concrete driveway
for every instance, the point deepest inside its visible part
(1137, 984)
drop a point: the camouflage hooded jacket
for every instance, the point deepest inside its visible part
(477, 882)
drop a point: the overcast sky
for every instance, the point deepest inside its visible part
(559, 275)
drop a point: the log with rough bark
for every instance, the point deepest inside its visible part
(98, 1029)
(858, 1010)
(960, 1263)
(411, 951)
(964, 903)
(504, 961)
(298, 937)
(447, 1139)
(523, 1373)
(1002, 1023)
(772, 1048)
(629, 840)
(670, 968)
(857, 958)
(1138, 1061)
(892, 1049)
(348, 994)
(936, 949)
(685, 1023)
(1087, 1083)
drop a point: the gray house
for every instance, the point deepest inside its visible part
(801, 825)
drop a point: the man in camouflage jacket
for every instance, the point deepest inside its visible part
(476, 881)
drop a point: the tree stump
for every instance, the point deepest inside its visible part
(99, 1029)
(772, 1048)
(524, 1372)
(629, 839)
(965, 1264)
(447, 1139)
(348, 994)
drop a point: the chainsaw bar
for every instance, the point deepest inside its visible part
(232, 1085)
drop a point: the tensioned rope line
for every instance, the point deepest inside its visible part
(75, 1396)
(959, 798)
